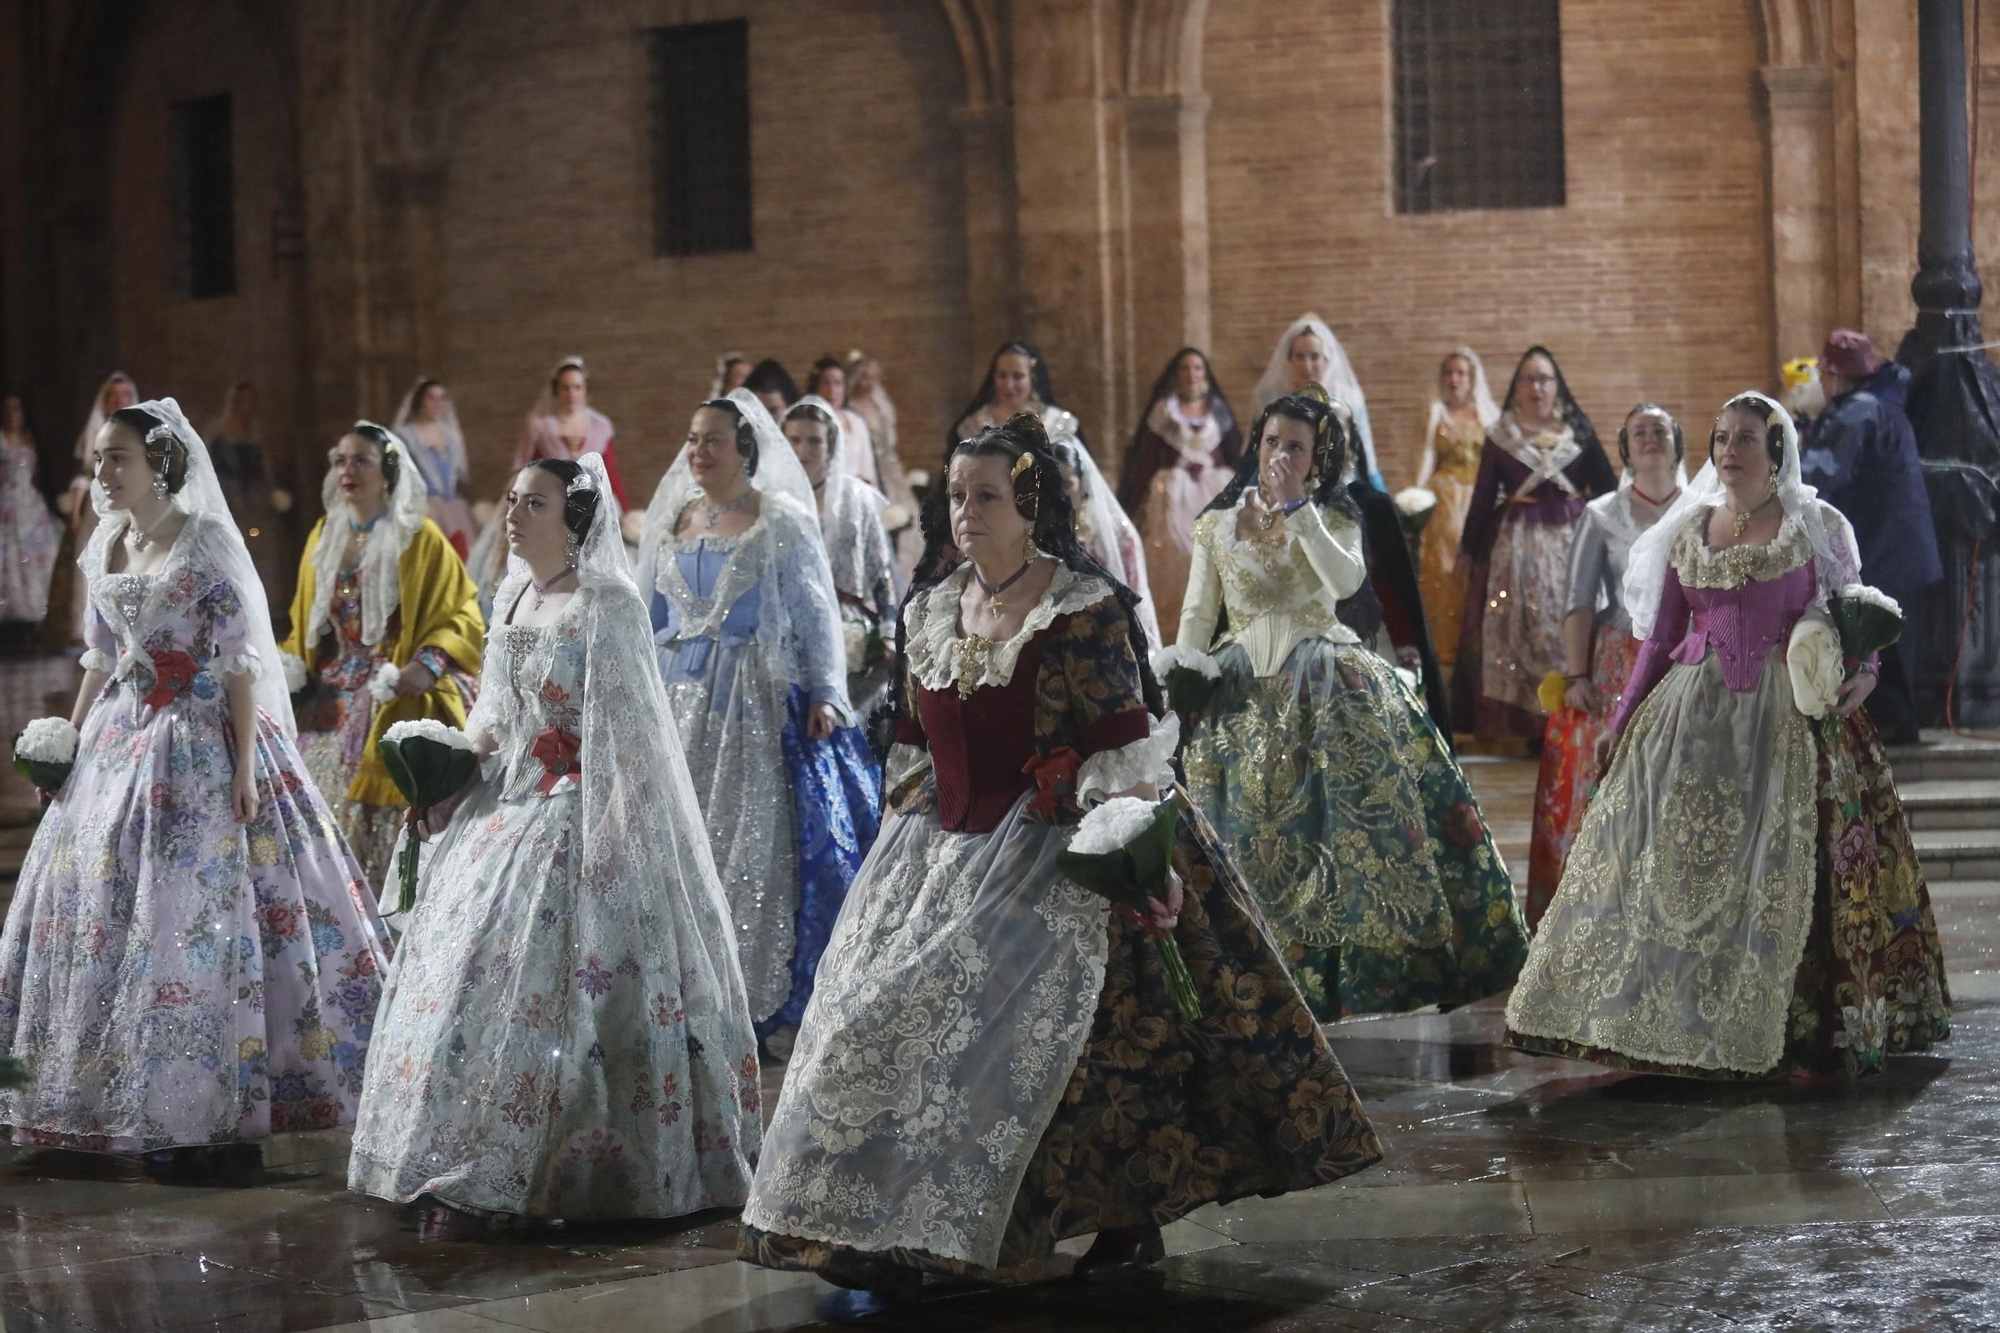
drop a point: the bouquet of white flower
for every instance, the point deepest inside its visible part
(1122, 851)
(1415, 505)
(1812, 659)
(1188, 675)
(45, 752)
(430, 763)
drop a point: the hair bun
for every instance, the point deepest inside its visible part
(1030, 426)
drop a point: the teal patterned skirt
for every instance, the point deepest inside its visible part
(1344, 809)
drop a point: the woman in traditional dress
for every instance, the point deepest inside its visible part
(828, 381)
(1320, 770)
(565, 1034)
(1540, 465)
(1102, 526)
(29, 535)
(1598, 646)
(1308, 353)
(1454, 434)
(868, 399)
(427, 423)
(747, 623)
(563, 425)
(992, 1062)
(1185, 450)
(380, 591)
(1743, 898)
(1017, 380)
(857, 550)
(116, 392)
(192, 959)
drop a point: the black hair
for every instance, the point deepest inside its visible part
(746, 438)
(1039, 384)
(1040, 497)
(579, 502)
(1774, 431)
(767, 376)
(1566, 407)
(1218, 403)
(392, 450)
(167, 456)
(1331, 429)
(1673, 422)
(820, 367)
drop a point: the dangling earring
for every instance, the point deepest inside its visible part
(160, 484)
(1028, 545)
(571, 549)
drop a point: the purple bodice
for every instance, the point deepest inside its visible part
(1739, 625)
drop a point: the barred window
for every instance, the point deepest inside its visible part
(701, 138)
(204, 177)
(1478, 105)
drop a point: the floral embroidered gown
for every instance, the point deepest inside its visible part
(565, 1033)
(1330, 785)
(991, 1061)
(1743, 896)
(747, 644)
(171, 977)
(1441, 572)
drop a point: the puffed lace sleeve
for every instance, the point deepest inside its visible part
(100, 651)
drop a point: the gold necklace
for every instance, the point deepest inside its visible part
(973, 651)
(1742, 518)
(1267, 515)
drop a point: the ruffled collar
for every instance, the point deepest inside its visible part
(1195, 440)
(1703, 566)
(933, 635)
(1545, 453)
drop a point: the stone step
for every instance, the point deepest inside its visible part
(1959, 854)
(1945, 758)
(1952, 804)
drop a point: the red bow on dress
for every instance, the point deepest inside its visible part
(557, 751)
(1055, 773)
(173, 672)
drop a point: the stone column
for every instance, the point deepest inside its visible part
(1166, 220)
(1947, 287)
(1800, 102)
(992, 251)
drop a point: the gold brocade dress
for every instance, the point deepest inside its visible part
(1440, 571)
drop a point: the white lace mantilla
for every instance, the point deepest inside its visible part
(932, 633)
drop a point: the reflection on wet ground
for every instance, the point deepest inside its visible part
(1517, 1193)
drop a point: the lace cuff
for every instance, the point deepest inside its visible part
(905, 762)
(295, 672)
(96, 659)
(1109, 772)
(233, 664)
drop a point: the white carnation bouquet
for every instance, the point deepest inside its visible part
(45, 752)
(1122, 851)
(430, 763)
(1189, 676)
(1415, 505)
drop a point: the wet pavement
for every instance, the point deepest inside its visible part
(1517, 1193)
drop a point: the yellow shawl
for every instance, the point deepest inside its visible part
(440, 609)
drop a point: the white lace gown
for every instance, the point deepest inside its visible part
(565, 1032)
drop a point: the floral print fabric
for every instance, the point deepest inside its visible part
(172, 977)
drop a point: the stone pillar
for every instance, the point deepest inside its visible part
(1947, 287)
(1166, 222)
(1062, 162)
(1804, 260)
(992, 250)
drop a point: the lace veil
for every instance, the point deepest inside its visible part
(1338, 377)
(404, 423)
(210, 540)
(850, 513)
(381, 572)
(1104, 529)
(1836, 559)
(798, 622)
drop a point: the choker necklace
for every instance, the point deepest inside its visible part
(1742, 517)
(141, 540)
(1657, 504)
(542, 589)
(1267, 513)
(993, 591)
(717, 511)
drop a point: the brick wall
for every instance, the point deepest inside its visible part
(548, 229)
(1652, 283)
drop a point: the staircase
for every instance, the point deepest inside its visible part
(1951, 793)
